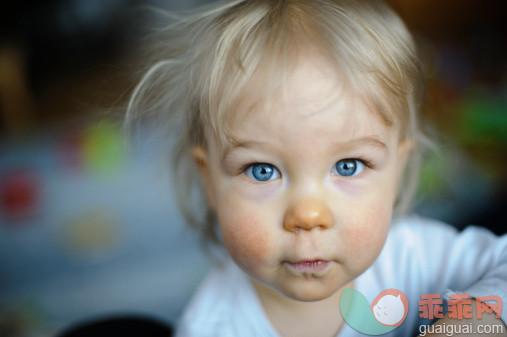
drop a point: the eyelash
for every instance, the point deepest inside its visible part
(367, 163)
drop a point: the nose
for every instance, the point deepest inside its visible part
(307, 214)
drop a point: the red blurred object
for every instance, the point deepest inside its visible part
(19, 195)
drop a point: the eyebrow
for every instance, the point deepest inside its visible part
(368, 141)
(234, 144)
(372, 141)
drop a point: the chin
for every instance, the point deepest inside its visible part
(309, 291)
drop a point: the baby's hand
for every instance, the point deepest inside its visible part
(488, 325)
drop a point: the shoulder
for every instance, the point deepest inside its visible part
(424, 241)
(420, 231)
(213, 303)
(434, 253)
(420, 227)
(411, 236)
(410, 250)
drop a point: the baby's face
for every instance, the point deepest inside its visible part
(304, 197)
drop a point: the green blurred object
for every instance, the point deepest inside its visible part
(435, 173)
(104, 151)
(484, 121)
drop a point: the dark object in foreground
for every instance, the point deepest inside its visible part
(124, 326)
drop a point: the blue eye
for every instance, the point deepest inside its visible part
(262, 172)
(348, 167)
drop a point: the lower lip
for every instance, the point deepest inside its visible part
(315, 266)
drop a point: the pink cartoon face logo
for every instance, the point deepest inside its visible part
(390, 307)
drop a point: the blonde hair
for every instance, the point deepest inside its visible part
(206, 59)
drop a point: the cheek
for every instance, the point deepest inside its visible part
(368, 234)
(246, 239)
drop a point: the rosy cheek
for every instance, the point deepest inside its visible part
(246, 240)
(368, 234)
(363, 237)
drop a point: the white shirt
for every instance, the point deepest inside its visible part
(420, 256)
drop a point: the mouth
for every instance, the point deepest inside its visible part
(310, 266)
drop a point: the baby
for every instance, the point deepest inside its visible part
(300, 120)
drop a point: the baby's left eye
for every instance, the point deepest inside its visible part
(348, 167)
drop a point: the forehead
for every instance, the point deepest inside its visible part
(314, 109)
(313, 91)
(312, 80)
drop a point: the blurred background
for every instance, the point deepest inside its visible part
(89, 227)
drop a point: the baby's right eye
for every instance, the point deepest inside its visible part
(262, 172)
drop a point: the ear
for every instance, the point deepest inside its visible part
(405, 148)
(200, 156)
